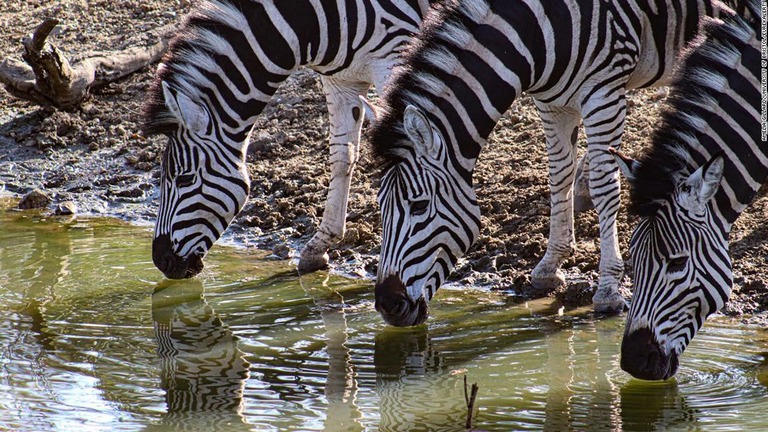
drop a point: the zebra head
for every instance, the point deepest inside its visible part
(204, 184)
(430, 218)
(682, 271)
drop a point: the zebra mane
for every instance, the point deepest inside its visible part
(425, 58)
(698, 86)
(176, 67)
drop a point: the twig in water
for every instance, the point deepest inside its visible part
(469, 398)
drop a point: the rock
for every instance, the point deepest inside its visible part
(65, 208)
(281, 251)
(660, 94)
(34, 200)
(89, 109)
(504, 262)
(351, 237)
(371, 264)
(577, 293)
(485, 264)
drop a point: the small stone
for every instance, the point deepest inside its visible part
(506, 262)
(660, 94)
(485, 264)
(577, 293)
(281, 251)
(351, 237)
(34, 200)
(89, 109)
(65, 208)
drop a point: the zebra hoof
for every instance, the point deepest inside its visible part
(611, 306)
(548, 283)
(314, 262)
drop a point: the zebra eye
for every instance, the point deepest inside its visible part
(185, 180)
(419, 207)
(677, 263)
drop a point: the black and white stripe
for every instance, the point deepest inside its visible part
(202, 368)
(706, 163)
(220, 72)
(472, 60)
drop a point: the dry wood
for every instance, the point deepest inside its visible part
(47, 78)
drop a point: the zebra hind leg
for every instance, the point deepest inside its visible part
(604, 127)
(345, 110)
(604, 183)
(560, 127)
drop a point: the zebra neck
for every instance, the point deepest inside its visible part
(469, 70)
(725, 127)
(714, 110)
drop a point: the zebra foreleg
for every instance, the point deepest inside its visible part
(560, 128)
(604, 127)
(346, 118)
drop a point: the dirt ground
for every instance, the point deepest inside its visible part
(96, 157)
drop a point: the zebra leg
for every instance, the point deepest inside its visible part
(346, 118)
(561, 128)
(604, 127)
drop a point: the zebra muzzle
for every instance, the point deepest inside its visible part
(396, 307)
(643, 358)
(172, 265)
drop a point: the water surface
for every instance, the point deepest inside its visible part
(93, 338)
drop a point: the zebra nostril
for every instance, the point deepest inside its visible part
(172, 265)
(402, 307)
(652, 358)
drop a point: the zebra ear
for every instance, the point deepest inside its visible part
(705, 181)
(419, 130)
(188, 113)
(627, 165)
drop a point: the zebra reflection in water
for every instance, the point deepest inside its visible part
(341, 385)
(203, 370)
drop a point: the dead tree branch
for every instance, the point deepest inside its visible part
(47, 78)
(469, 398)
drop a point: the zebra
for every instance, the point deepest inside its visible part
(219, 73)
(705, 165)
(470, 62)
(202, 367)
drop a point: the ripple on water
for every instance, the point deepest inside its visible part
(92, 332)
(716, 386)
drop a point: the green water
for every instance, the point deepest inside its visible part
(93, 339)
